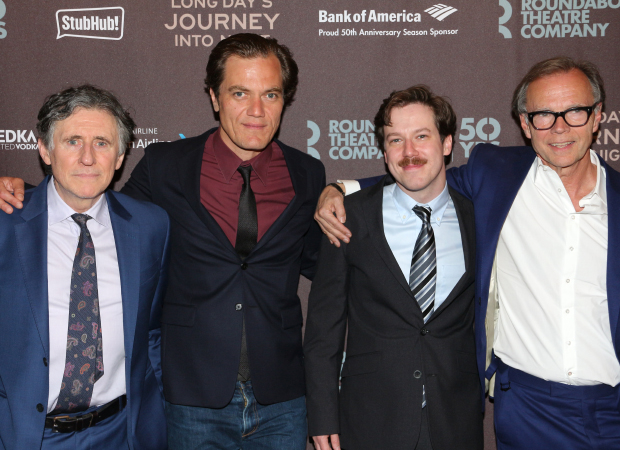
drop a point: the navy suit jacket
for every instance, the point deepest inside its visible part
(211, 288)
(141, 235)
(491, 179)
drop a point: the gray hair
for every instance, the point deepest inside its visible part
(560, 64)
(62, 105)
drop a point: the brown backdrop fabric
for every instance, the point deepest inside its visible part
(351, 55)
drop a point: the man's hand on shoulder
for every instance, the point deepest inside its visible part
(11, 193)
(330, 202)
(322, 442)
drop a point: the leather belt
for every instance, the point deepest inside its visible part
(69, 424)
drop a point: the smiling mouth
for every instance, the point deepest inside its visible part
(562, 144)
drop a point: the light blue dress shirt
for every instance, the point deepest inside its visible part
(402, 226)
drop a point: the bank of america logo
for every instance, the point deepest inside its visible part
(440, 11)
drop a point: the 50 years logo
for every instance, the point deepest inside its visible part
(484, 130)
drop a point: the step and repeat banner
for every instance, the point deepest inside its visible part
(351, 54)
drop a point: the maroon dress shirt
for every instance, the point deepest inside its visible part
(220, 185)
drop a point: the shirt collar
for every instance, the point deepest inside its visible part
(593, 203)
(404, 204)
(597, 198)
(58, 210)
(228, 162)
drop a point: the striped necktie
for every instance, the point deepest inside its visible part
(423, 274)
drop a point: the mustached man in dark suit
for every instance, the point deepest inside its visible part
(405, 287)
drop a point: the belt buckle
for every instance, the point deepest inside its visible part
(58, 420)
(79, 421)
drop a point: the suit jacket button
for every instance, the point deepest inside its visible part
(45, 362)
(417, 374)
(424, 331)
(40, 407)
(244, 266)
(238, 306)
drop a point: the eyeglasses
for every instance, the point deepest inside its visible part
(574, 117)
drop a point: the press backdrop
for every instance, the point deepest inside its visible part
(351, 55)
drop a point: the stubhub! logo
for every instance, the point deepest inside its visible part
(92, 23)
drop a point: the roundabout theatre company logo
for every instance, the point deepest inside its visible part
(544, 19)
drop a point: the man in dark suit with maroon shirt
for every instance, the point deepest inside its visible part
(231, 328)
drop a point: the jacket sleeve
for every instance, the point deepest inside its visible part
(461, 178)
(324, 340)
(156, 310)
(371, 181)
(139, 184)
(312, 239)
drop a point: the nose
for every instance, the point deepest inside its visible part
(560, 126)
(256, 107)
(410, 148)
(87, 157)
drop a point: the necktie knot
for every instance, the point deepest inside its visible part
(81, 219)
(423, 212)
(245, 172)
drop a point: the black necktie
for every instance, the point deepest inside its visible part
(247, 236)
(247, 226)
(84, 357)
(423, 274)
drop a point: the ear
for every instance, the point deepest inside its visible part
(598, 112)
(119, 161)
(44, 152)
(447, 145)
(216, 105)
(525, 126)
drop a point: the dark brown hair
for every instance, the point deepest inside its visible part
(248, 45)
(445, 119)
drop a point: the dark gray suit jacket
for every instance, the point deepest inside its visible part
(391, 353)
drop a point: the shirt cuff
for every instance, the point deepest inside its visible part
(350, 186)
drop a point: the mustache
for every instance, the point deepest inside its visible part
(406, 161)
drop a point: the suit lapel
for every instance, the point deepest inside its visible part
(31, 238)
(495, 205)
(298, 176)
(189, 167)
(613, 241)
(466, 226)
(127, 241)
(373, 214)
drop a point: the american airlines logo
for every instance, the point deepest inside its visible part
(440, 11)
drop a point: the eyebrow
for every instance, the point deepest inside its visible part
(576, 105)
(414, 131)
(98, 138)
(245, 89)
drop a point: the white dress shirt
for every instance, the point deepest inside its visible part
(551, 273)
(402, 227)
(62, 241)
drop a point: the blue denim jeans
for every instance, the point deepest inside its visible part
(242, 424)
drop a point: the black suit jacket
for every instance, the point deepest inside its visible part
(391, 353)
(210, 288)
